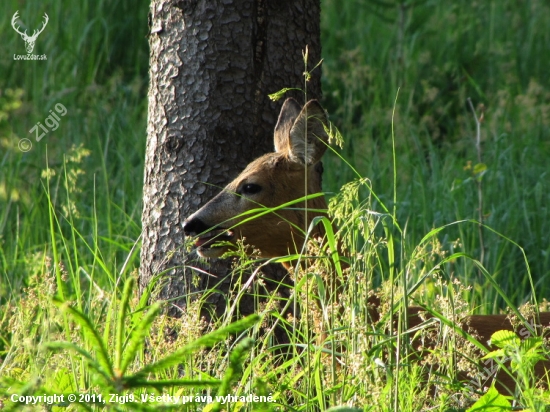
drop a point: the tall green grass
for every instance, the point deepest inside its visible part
(70, 207)
(96, 68)
(437, 54)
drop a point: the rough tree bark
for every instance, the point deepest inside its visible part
(212, 65)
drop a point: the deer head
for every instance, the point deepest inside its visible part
(290, 173)
(29, 40)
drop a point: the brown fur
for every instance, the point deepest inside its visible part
(482, 328)
(282, 177)
(300, 141)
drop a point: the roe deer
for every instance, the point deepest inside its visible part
(271, 180)
(280, 177)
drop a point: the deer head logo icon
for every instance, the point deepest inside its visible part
(29, 40)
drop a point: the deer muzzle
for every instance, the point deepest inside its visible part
(207, 237)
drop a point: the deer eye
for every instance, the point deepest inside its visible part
(250, 189)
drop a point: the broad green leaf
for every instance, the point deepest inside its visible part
(492, 401)
(505, 338)
(499, 353)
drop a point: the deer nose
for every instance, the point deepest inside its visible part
(194, 226)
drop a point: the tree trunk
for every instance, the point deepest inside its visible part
(212, 65)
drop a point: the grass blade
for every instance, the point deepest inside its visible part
(59, 346)
(204, 341)
(119, 340)
(91, 334)
(138, 335)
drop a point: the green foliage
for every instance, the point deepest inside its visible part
(523, 355)
(492, 401)
(234, 370)
(109, 373)
(70, 216)
(437, 54)
(281, 93)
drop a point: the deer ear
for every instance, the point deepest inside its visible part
(289, 113)
(308, 138)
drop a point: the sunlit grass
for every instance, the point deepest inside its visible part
(70, 207)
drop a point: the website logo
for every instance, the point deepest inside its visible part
(29, 40)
